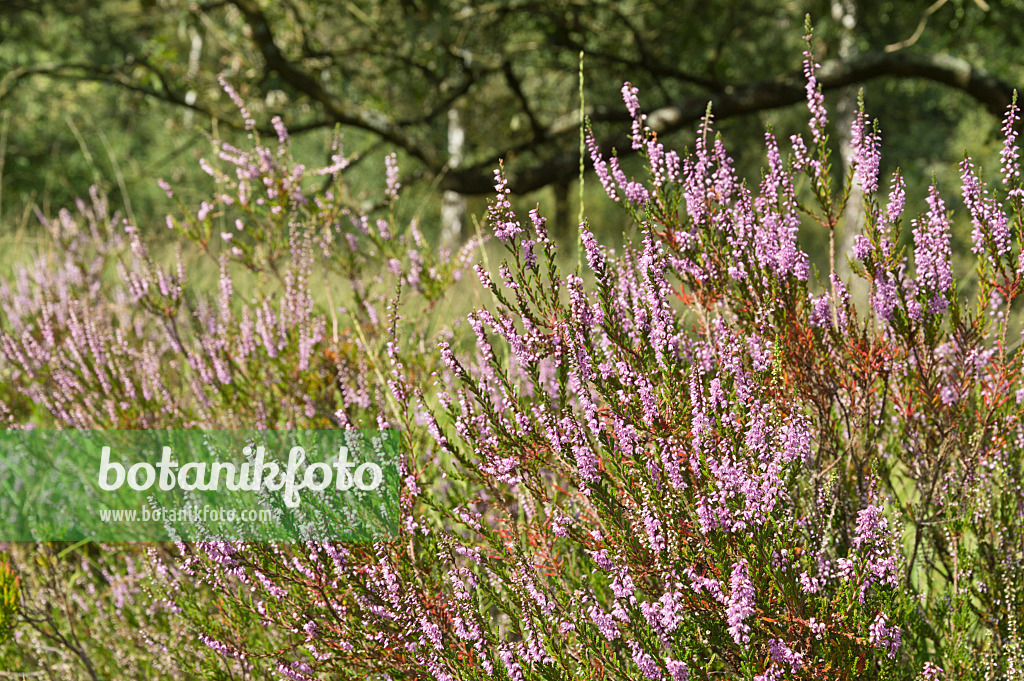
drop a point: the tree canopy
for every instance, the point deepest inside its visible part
(391, 71)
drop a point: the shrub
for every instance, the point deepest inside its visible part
(695, 459)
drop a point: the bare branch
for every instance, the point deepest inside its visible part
(338, 110)
(108, 76)
(919, 31)
(993, 93)
(517, 89)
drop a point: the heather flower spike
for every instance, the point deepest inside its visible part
(865, 145)
(815, 99)
(932, 253)
(1010, 153)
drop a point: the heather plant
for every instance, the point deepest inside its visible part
(100, 334)
(696, 458)
(90, 612)
(103, 331)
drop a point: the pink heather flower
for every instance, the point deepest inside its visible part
(672, 168)
(338, 163)
(629, 96)
(871, 525)
(664, 166)
(914, 310)
(783, 654)
(989, 220)
(538, 225)
(932, 246)
(204, 211)
(726, 182)
(583, 454)
(595, 258)
(605, 623)
(816, 627)
(647, 664)
(797, 436)
(801, 158)
(500, 213)
(842, 296)
(862, 247)
(296, 671)
(677, 669)
(815, 100)
(216, 645)
(652, 524)
(601, 168)
(696, 183)
(775, 236)
(1010, 151)
(602, 560)
(875, 543)
(866, 154)
(391, 164)
(884, 299)
(636, 193)
(560, 524)
(897, 198)
(664, 615)
(774, 672)
(700, 583)
(821, 313)
(282, 132)
(162, 183)
(741, 603)
(884, 636)
(507, 654)
(250, 122)
(809, 584)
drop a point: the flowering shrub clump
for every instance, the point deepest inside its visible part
(151, 349)
(103, 331)
(694, 459)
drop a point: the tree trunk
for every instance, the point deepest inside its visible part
(195, 53)
(453, 204)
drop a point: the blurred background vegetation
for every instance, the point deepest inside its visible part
(118, 93)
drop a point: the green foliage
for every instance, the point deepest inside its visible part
(10, 594)
(116, 92)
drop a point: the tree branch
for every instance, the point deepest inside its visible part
(993, 93)
(477, 178)
(102, 74)
(338, 110)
